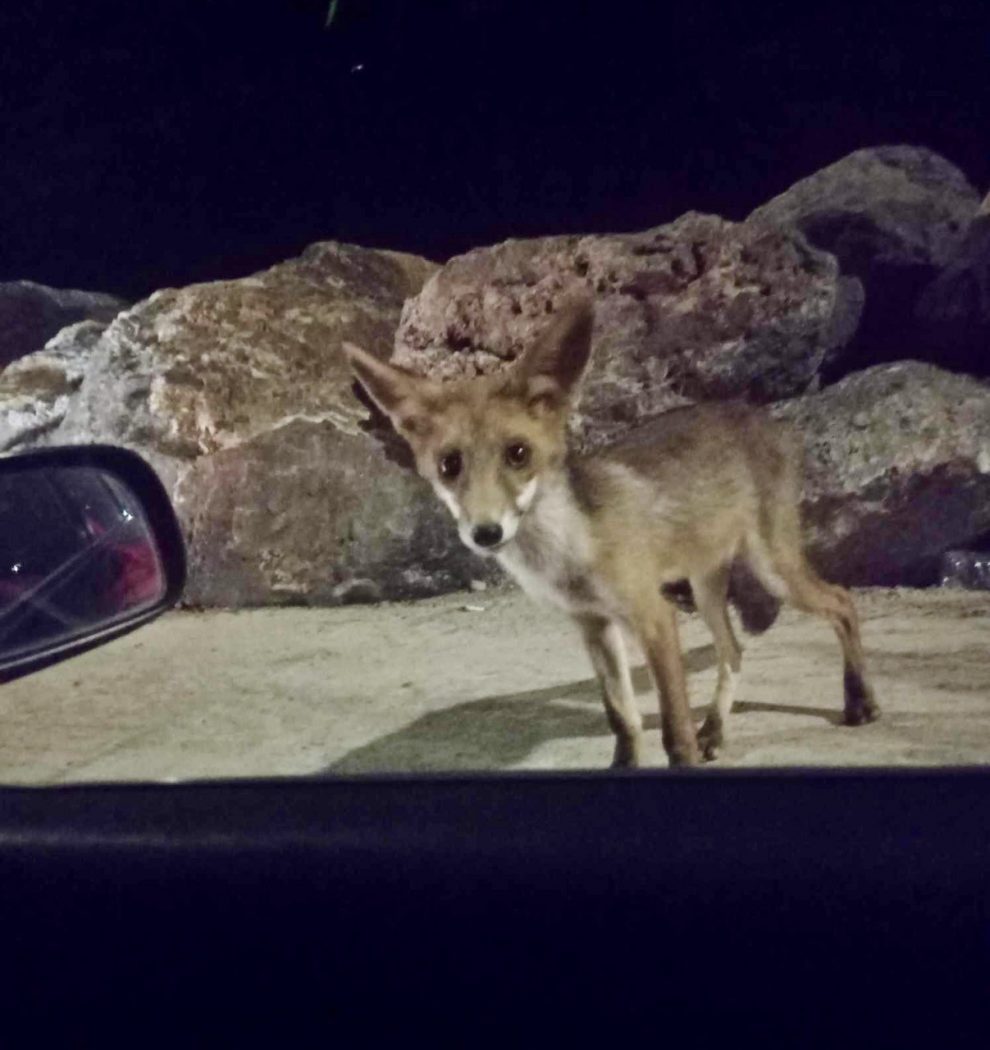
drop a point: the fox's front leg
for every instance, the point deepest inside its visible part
(656, 626)
(608, 657)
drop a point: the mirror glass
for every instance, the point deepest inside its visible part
(76, 555)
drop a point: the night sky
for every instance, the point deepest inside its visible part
(151, 143)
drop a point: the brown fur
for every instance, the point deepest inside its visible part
(609, 537)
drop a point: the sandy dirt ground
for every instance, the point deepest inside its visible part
(484, 681)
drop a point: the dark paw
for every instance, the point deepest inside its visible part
(627, 753)
(711, 739)
(862, 712)
(861, 706)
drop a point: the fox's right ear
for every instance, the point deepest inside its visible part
(553, 366)
(399, 394)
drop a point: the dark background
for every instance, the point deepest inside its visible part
(157, 142)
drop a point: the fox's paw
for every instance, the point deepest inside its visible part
(684, 756)
(861, 706)
(626, 754)
(862, 713)
(711, 738)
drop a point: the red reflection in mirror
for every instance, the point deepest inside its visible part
(76, 554)
(138, 578)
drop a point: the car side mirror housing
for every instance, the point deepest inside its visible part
(90, 549)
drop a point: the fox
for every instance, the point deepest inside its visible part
(612, 536)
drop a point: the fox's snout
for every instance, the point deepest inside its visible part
(488, 535)
(486, 532)
(487, 518)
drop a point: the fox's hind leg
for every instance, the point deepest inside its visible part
(779, 560)
(603, 640)
(711, 594)
(810, 593)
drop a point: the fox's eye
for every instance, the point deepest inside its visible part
(517, 454)
(450, 465)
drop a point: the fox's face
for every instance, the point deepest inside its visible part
(484, 449)
(485, 445)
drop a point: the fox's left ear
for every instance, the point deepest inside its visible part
(553, 366)
(399, 394)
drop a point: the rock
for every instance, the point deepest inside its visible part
(969, 570)
(954, 310)
(194, 370)
(902, 205)
(35, 391)
(909, 485)
(309, 513)
(357, 592)
(700, 308)
(30, 314)
(893, 216)
(238, 393)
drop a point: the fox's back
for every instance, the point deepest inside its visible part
(689, 488)
(700, 451)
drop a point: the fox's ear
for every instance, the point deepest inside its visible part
(399, 394)
(552, 367)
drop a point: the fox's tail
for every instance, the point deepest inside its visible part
(757, 607)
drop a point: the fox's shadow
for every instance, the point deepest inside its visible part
(497, 732)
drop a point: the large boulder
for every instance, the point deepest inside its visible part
(36, 390)
(893, 216)
(697, 309)
(238, 393)
(954, 310)
(193, 370)
(898, 460)
(311, 512)
(900, 205)
(31, 314)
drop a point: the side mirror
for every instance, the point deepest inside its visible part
(89, 549)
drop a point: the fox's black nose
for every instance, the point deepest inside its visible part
(487, 535)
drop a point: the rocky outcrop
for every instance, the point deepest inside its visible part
(35, 391)
(194, 370)
(312, 513)
(893, 216)
(969, 570)
(31, 314)
(895, 205)
(698, 309)
(954, 310)
(898, 470)
(237, 392)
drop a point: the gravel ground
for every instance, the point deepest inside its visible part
(483, 681)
